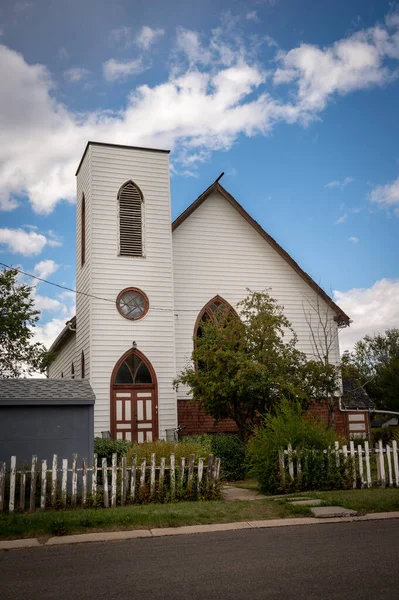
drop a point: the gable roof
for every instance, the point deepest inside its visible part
(341, 317)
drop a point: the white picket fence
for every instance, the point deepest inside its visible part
(72, 484)
(363, 459)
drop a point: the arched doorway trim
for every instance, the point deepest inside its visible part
(134, 404)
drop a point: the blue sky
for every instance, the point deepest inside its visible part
(297, 102)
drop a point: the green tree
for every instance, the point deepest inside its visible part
(242, 367)
(19, 356)
(374, 365)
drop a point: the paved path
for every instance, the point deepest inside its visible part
(231, 493)
(337, 561)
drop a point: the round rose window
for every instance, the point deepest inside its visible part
(132, 304)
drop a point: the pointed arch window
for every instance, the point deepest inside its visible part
(82, 365)
(72, 371)
(83, 232)
(133, 370)
(214, 310)
(130, 206)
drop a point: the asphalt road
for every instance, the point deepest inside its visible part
(346, 561)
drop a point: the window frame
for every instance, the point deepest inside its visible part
(146, 303)
(143, 248)
(83, 232)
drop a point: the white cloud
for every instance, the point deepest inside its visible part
(353, 239)
(76, 74)
(350, 64)
(121, 36)
(45, 268)
(147, 36)
(341, 219)
(114, 70)
(339, 184)
(54, 240)
(252, 16)
(46, 333)
(373, 310)
(44, 303)
(22, 242)
(387, 196)
(214, 93)
(63, 54)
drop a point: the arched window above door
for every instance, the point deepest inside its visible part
(133, 370)
(215, 310)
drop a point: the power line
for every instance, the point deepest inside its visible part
(63, 287)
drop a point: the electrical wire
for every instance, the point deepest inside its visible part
(63, 287)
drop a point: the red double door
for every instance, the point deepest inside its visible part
(134, 413)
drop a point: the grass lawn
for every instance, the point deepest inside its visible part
(149, 516)
(146, 516)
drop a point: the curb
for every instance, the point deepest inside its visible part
(84, 538)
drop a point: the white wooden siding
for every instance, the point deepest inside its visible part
(111, 334)
(216, 251)
(63, 359)
(83, 273)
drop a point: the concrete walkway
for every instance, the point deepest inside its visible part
(232, 493)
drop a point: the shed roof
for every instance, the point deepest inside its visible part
(45, 391)
(355, 398)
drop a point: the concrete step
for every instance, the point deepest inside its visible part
(327, 512)
(307, 502)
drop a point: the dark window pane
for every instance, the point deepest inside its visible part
(143, 374)
(133, 363)
(124, 375)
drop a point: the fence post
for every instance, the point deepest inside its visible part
(389, 465)
(352, 451)
(13, 474)
(162, 474)
(33, 484)
(281, 462)
(22, 488)
(360, 457)
(84, 481)
(43, 488)
(200, 473)
(217, 470)
(172, 476)
(381, 463)
(105, 481)
(152, 475)
(94, 477)
(142, 473)
(133, 477)
(54, 480)
(2, 484)
(395, 461)
(182, 469)
(367, 458)
(113, 479)
(209, 470)
(190, 470)
(123, 481)
(336, 446)
(64, 481)
(74, 479)
(290, 463)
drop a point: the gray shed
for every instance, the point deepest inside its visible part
(46, 417)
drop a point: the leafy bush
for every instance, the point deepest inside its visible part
(385, 434)
(198, 445)
(105, 448)
(231, 451)
(290, 426)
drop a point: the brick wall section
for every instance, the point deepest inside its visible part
(196, 421)
(319, 411)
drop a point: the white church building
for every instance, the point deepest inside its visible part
(144, 284)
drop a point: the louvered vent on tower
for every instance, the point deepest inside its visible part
(130, 220)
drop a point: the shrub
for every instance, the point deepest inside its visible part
(198, 445)
(290, 426)
(385, 434)
(105, 448)
(231, 451)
